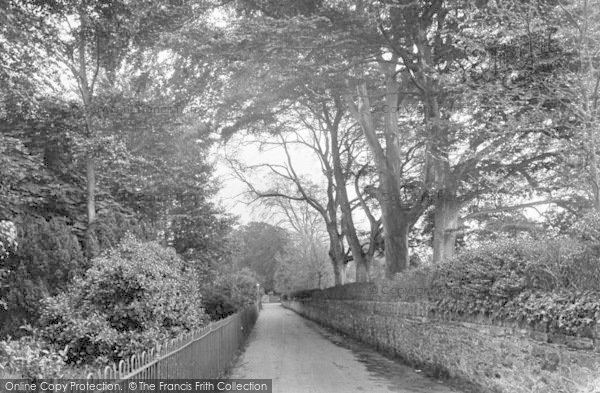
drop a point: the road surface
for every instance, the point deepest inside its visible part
(300, 357)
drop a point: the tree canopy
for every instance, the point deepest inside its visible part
(434, 124)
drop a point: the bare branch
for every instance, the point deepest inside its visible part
(514, 207)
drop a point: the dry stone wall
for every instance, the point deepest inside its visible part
(496, 357)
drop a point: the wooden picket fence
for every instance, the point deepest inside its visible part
(202, 353)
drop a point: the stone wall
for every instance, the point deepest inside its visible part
(495, 357)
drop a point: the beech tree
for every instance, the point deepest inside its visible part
(572, 86)
(289, 184)
(262, 248)
(307, 264)
(90, 42)
(411, 73)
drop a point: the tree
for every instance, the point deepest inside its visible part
(262, 247)
(122, 113)
(572, 92)
(91, 40)
(526, 77)
(331, 121)
(282, 54)
(409, 71)
(305, 264)
(288, 184)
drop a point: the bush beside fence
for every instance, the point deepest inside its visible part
(202, 353)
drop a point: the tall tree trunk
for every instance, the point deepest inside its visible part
(362, 270)
(396, 223)
(80, 72)
(446, 221)
(363, 273)
(91, 189)
(439, 172)
(336, 254)
(337, 271)
(367, 269)
(594, 178)
(396, 227)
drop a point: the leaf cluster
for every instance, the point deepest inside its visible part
(129, 299)
(31, 359)
(229, 293)
(551, 284)
(48, 254)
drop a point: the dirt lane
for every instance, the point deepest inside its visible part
(294, 353)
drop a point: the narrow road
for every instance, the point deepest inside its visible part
(300, 358)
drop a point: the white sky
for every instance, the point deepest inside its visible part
(232, 195)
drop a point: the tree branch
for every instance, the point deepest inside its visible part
(514, 207)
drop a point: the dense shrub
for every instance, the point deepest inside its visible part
(47, 255)
(483, 280)
(412, 284)
(584, 272)
(110, 228)
(8, 238)
(552, 284)
(565, 312)
(351, 291)
(128, 300)
(313, 293)
(30, 359)
(587, 229)
(229, 293)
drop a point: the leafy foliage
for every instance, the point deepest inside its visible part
(229, 293)
(552, 284)
(128, 300)
(473, 104)
(484, 280)
(8, 238)
(262, 246)
(152, 173)
(49, 253)
(300, 269)
(30, 358)
(572, 313)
